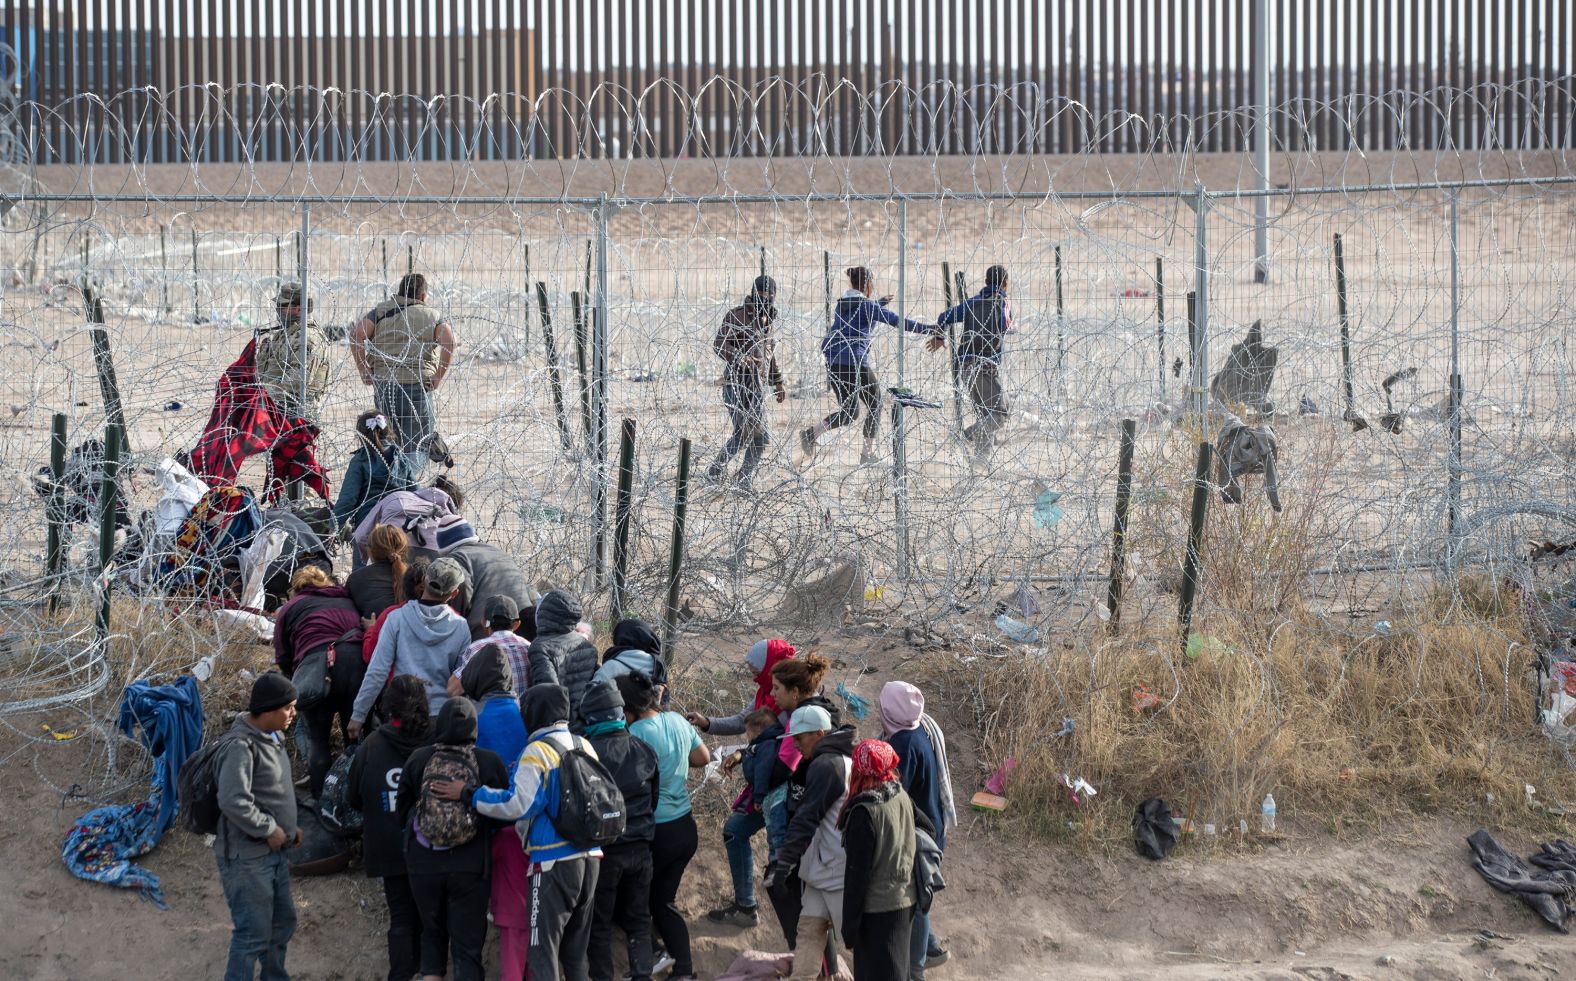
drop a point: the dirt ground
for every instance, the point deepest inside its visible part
(1403, 904)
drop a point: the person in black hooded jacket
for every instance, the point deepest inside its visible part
(451, 885)
(623, 886)
(372, 788)
(559, 655)
(635, 648)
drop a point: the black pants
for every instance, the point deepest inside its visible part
(623, 899)
(453, 909)
(404, 928)
(787, 896)
(881, 947)
(983, 381)
(671, 851)
(344, 681)
(853, 384)
(561, 901)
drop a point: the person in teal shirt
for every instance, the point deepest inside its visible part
(679, 750)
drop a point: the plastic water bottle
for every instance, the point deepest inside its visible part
(203, 669)
(1267, 815)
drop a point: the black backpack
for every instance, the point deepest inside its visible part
(590, 806)
(333, 804)
(198, 787)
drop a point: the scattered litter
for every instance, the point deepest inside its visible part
(203, 669)
(874, 593)
(1209, 829)
(246, 675)
(1017, 630)
(1154, 830)
(1383, 628)
(1267, 815)
(643, 376)
(1143, 699)
(913, 400)
(1068, 725)
(1135, 293)
(1199, 644)
(858, 706)
(687, 369)
(1547, 889)
(1307, 406)
(1021, 602)
(174, 406)
(997, 782)
(545, 514)
(60, 735)
(1046, 510)
(1078, 789)
(984, 801)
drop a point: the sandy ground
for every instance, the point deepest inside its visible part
(1405, 904)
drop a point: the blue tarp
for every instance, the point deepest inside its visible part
(100, 846)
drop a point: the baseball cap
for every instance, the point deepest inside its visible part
(809, 718)
(501, 608)
(445, 576)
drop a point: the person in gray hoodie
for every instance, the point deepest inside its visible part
(559, 655)
(257, 822)
(425, 637)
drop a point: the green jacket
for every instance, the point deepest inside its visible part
(878, 837)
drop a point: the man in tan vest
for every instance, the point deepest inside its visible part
(403, 349)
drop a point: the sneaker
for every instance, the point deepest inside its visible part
(937, 956)
(807, 441)
(735, 915)
(663, 962)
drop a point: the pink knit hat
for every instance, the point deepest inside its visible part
(901, 706)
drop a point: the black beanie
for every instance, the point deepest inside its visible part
(270, 691)
(602, 703)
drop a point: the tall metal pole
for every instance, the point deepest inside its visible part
(622, 509)
(1193, 561)
(1160, 321)
(599, 389)
(306, 276)
(670, 609)
(902, 289)
(1200, 379)
(55, 550)
(1261, 140)
(1343, 316)
(899, 454)
(107, 493)
(1453, 514)
(1124, 496)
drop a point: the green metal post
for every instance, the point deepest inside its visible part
(107, 494)
(1348, 396)
(670, 610)
(54, 553)
(554, 377)
(581, 365)
(1193, 561)
(622, 507)
(1124, 496)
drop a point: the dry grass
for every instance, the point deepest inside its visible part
(1351, 730)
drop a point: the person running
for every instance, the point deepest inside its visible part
(403, 349)
(847, 351)
(317, 616)
(811, 861)
(372, 788)
(376, 584)
(562, 884)
(623, 885)
(987, 320)
(675, 838)
(424, 637)
(922, 768)
(744, 344)
(486, 680)
(447, 847)
(279, 358)
(879, 896)
(376, 469)
(257, 822)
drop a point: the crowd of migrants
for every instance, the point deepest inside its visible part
(505, 772)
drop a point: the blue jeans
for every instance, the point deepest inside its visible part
(746, 404)
(736, 834)
(409, 408)
(258, 891)
(918, 945)
(776, 829)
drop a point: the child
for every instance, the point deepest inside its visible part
(376, 469)
(767, 773)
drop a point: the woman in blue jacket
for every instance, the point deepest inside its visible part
(376, 469)
(847, 351)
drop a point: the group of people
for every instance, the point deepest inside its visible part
(464, 750)
(744, 344)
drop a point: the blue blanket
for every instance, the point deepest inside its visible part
(102, 843)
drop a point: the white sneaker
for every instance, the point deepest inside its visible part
(664, 962)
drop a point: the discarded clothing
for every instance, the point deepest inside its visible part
(245, 422)
(102, 843)
(1153, 830)
(1551, 892)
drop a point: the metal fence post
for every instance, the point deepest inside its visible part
(899, 454)
(1261, 140)
(1160, 321)
(1343, 316)
(107, 495)
(1200, 379)
(306, 296)
(1193, 560)
(599, 390)
(54, 554)
(1124, 496)
(902, 289)
(670, 609)
(623, 505)
(1453, 512)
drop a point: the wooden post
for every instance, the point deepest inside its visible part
(1348, 396)
(1160, 320)
(54, 554)
(1124, 495)
(1192, 562)
(952, 346)
(107, 495)
(621, 516)
(581, 366)
(670, 610)
(555, 379)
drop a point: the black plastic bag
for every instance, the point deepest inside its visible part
(1153, 831)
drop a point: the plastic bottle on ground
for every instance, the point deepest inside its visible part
(1267, 815)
